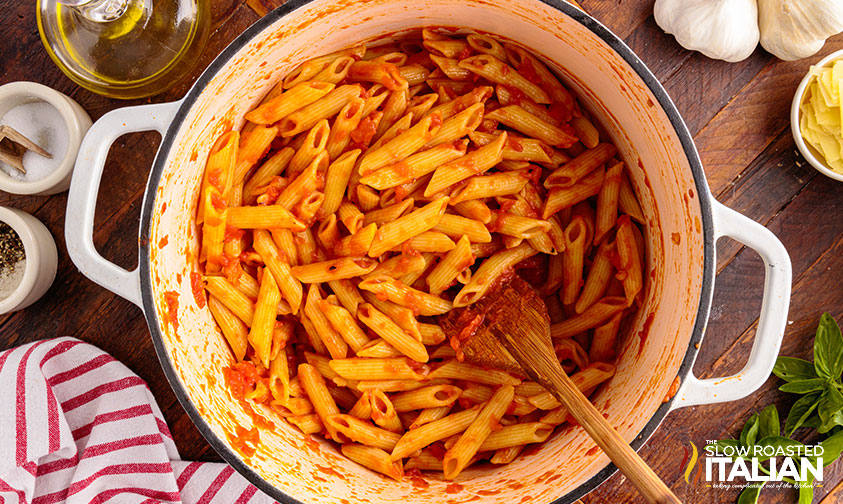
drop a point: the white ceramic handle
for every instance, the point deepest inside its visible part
(771, 322)
(82, 198)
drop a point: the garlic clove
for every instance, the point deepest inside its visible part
(720, 29)
(796, 29)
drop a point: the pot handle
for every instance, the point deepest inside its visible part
(84, 187)
(771, 322)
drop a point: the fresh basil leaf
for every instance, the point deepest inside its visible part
(830, 422)
(812, 422)
(768, 422)
(806, 492)
(804, 386)
(776, 442)
(793, 369)
(829, 410)
(800, 412)
(750, 431)
(828, 349)
(750, 494)
(832, 447)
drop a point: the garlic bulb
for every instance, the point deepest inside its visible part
(796, 29)
(720, 29)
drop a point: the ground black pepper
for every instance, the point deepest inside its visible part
(11, 247)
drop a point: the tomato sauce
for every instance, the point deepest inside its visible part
(529, 72)
(163, 241)
(197, 288)
(365, 131)
(172, 300)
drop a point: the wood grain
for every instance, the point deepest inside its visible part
(738, 114)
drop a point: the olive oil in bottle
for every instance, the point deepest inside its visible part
(124, 48)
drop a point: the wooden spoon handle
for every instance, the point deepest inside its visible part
(607, 438)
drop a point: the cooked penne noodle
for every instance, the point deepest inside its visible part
(273, 216)
(279, 267)
(336, 181)
(509, 96)
(375, 459)
(263, 176)
(314, 142)
(489, 186)
(521, 58)
(379, 72)
(599, 276)
(429, 415)
(379, 369)
(336, 70)
(238, 303)
(518, 118)
(506, 455)
(394, 107)
(233, 329)
(308, 424)
(516, 435)
(456, 226)
(560, 198)
(576, 169)
(279, 384)
(384, 327)
(630, 269)
(358, 243)
(458, 456)
(309, 180)
(495, 70)
(219, 171)
(456, 370)
(414, 73)
(607, 203)
(323, 108)
(486, 45)
(446, 272)
(263, 321)
(401, 315)
(518, 226)
(345, 324)
(351, 216)
(451, 67)
(420, 105)
(309, 69)
(458, 126)
(314, 385)
(362, 409)
(474, 209)
(398, 266)
(401, 294)
(346, 122)
(428, 241)
(590, 318)
(378, 349)
(402, 145)
(333, 341)
(388, 213)
(473, 163)
(516, 148)
(428, 397)
(432, 432)
(586, 131)
(403, 228)
(489, 270)
(415, 166)
(383, 413)
(213, 229)
(335, 269)
(573, 260)
(430, 334)
(347, 294)
(605, 338)
(363, 432)
(289, 101)
(627, 201)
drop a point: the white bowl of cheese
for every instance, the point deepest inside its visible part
(816, 116)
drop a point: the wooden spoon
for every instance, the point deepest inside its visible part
(508, 328)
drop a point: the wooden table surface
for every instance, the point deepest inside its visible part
(738, 114)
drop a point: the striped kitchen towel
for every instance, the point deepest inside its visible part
(79, 427)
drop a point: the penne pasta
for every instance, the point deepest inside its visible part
(518, 118)
(574, 170)
(473, 163)
(384, 327)
(495, 70)
(491, 269)
(403, 228)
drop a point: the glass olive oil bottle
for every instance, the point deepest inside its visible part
(124, 48)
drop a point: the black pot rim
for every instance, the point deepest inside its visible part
(225, 56)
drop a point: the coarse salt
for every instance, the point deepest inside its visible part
(43, 124)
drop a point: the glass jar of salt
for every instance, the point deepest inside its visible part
(12, 260)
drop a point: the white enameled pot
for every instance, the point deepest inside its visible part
(683, 225)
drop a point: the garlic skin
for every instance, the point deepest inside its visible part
(796, 29)
(720, 29)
